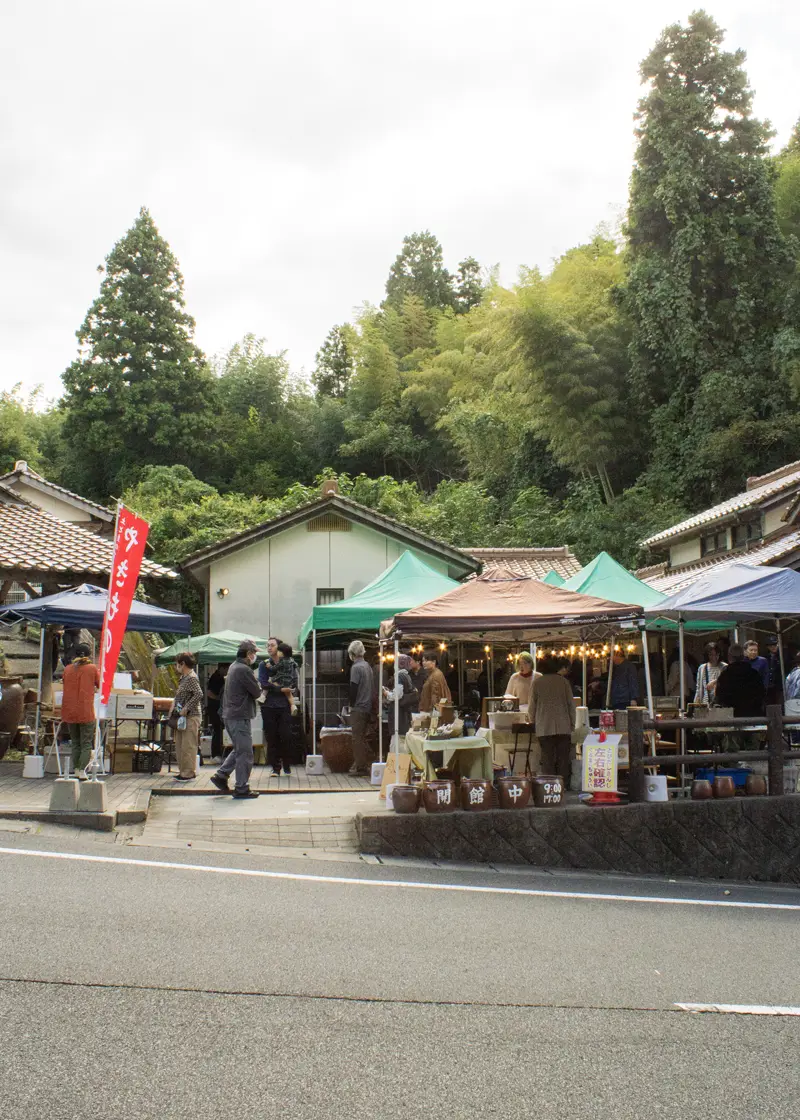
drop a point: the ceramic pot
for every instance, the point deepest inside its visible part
(12, 709)
(514, 793)
(548, 789)
(439, 796)
(476, 795)
(406, 799)
(723, 786)
(702, 789)
(336, 748)
(755, 785)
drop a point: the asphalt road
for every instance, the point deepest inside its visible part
(129, 990)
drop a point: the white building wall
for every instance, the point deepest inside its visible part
(272, 585)
(56, 507)
(685, 552)
(771, 520)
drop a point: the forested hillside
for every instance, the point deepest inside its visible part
(646, 374)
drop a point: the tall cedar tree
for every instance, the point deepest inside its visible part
(418, 270)
(708, 268)
(140, 392)
(335, 362)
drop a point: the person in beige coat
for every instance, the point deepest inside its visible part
(552, 712)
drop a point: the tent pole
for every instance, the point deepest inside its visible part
(461, 702)
(313, 692)
(41, 674)
(664, 664)
(380, 701)
(490, 670)
(396, 710)
(780, 654)
(683, 692)
(646, 656)
(583, 655)
(610, 674)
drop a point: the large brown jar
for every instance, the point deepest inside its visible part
(702, 789)
(548, 790)
(336, 748)
(755, 785)
(406, 799)
(439, 796)
(514, 793)
(476, 794)
(724, 786)
(12, 709)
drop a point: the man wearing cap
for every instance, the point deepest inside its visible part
(774, 674)
(238, 711)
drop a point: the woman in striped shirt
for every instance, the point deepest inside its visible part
(188, 703)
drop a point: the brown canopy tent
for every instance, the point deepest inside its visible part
(503, 605)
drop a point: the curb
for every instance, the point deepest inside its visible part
(99, 822)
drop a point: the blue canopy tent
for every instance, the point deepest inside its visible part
(84, 607)
(740, 592)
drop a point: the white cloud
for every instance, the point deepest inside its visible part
(284, 152)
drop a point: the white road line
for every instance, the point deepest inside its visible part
(337, 880)
(738, 1009)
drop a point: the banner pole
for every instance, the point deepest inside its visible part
(98, 751)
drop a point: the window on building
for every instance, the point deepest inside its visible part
(328, 595)
(714, 542)
(745, 533)
(332, 663)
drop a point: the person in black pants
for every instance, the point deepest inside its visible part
(280, 685)
(214, 690)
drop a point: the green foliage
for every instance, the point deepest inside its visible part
(708, 266)
(335, 363)
(469, 286)
(419, 271)
(139, 392)
(27, 432)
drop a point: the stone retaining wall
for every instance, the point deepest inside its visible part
(755, 838)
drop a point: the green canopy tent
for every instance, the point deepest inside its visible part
(553, 579)
(407, 583)
(210, 649)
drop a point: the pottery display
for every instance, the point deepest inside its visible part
(755, 785)
(406, 799)
(548, 789)
(336, 748)
(439, 796)
(724, 786)
(12, 709)
(476, 794)
(702, 789)
(514, 793)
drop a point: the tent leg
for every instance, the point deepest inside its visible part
(39, 703)
(780, 652)
(461, 701)
(396, 707)
(610, 674)
(681, 655)
(313, 692)
(380, 701)
(648, 681)
(583, 655)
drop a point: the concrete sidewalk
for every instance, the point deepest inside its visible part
(129, 795)
(323, 822)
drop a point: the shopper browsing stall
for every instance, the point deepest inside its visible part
(436, 687)
(188, 706)
(552, 712)
(708, 674)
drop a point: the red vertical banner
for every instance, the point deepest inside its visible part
(129, 542)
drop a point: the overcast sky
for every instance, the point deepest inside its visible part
(284, 149)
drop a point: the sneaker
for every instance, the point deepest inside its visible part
(247, 796)
(287, 771)
(221, 783)
(275, 773)
(216, 760)
(180, 778)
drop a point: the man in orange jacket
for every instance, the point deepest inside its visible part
(81, 681)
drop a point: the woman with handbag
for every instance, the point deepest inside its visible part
(708, 674)
(184, 717)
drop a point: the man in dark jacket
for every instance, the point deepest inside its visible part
(740, 686)
(280, 684)
(238, 712)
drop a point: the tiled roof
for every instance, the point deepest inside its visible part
(33, 541)
(776, 483)
(535, 562)
(670, 580)
(23, 471)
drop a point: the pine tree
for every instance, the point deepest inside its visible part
(335, 362)
(419, 270)
(469, 286)
(708, 267)
(140, 392)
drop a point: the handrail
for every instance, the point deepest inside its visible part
(774, 755)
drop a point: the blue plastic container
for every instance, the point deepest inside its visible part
(708, 774)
